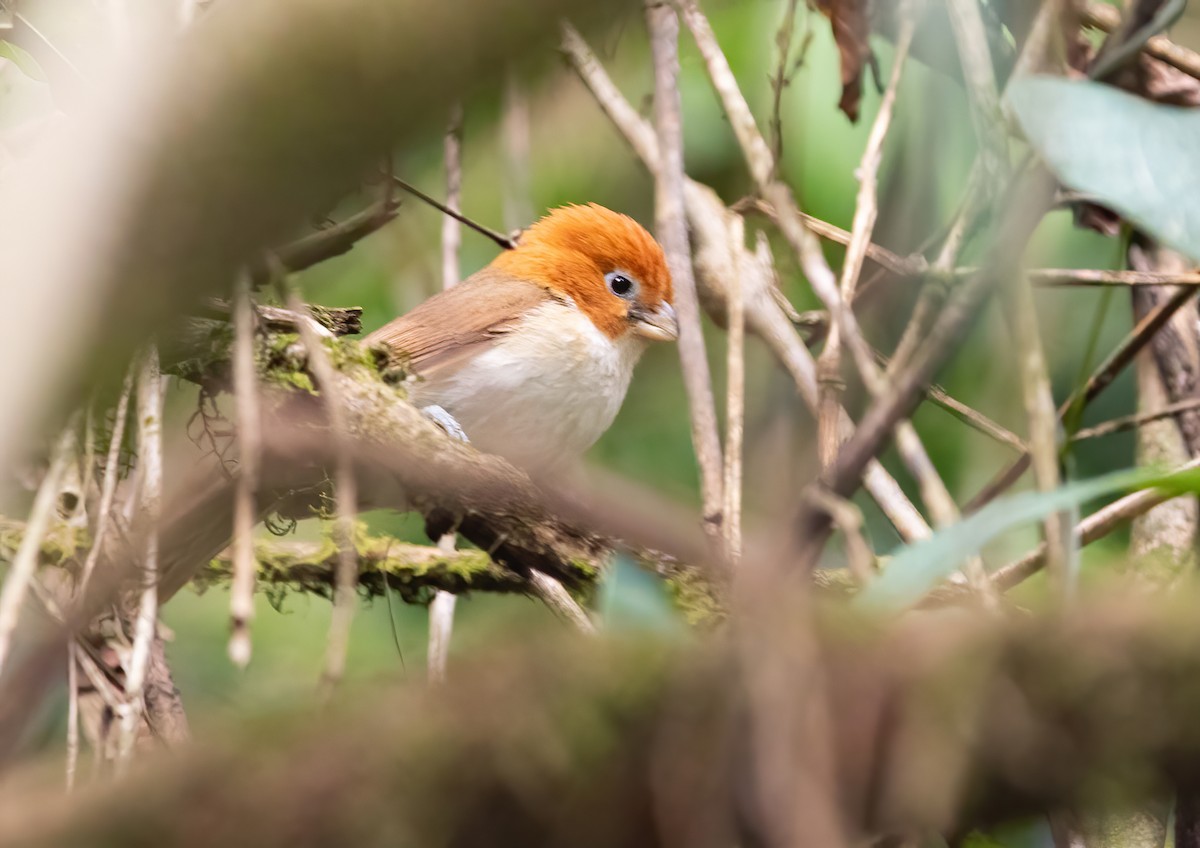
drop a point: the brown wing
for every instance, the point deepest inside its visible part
(445, 330)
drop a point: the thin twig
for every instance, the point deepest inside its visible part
(25, 563)
(970, 36)
(1108, 19)
(1100, 379)
(441, 608)
(499, 238)
(988, 120)
(111, 474)
(518, 208)
(764, 316)
(245, 513)
(1096, 526)
(780, 79)
(451, 231)
(735, 414)
(1132, 422)
(345, 600)
(866, 212)
(560, 602)
(72, 715)
(150, 471)
(672, 232)
(334, 240)
(806, 245)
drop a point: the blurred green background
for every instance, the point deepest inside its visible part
(577, 156)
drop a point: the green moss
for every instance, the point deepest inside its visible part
(694, 596)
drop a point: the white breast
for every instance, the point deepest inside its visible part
(542, 394)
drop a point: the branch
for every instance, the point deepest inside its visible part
(671, 226)
(1043, 727)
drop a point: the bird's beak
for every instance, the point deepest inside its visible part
(661, 325)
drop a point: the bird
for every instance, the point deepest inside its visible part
(531, 356)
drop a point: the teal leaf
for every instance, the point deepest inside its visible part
(631, 599)
(1136, 157)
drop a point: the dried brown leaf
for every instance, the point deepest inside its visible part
(851, 31)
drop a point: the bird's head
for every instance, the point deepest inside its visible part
(606, 262)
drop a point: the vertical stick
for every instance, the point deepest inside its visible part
(441, 608)
(518, 209)
(249, 431)
(672, 233)
(72, 714)
(735, 409)
(149, 406)
(109, 488)
(25, 562)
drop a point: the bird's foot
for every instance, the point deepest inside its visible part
(446, 421)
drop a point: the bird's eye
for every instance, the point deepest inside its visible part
(620, 284)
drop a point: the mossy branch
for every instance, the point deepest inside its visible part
(412, 572)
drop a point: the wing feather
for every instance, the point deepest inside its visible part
(445, 331)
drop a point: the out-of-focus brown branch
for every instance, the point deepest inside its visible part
(1048, 729)
(340, 321)
(328, 242)
(223, 146)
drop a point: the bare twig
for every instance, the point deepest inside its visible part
(1132, 422)
(72, 715)
(451, 233)
(559, 600)
(1043, 434)
(441, 609)
(1096, 526)
(245, 511)
(1089, 277)
(1108, 19)
(735, 414)
(1100, 379)
(518, 209)
(339, 321)
(329, 242)
(109, 488)
(808, 249)
(24, 564)
(672, 232)
(345, 600)
(970, 36)
(150, 405)
(975, 58)
(499, 238)
(780, 79)
(866, 211)
(764, 315)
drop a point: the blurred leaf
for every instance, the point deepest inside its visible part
(21, 58)
(1137, 157)
(851, 30)
(917, 568)
(631, 599)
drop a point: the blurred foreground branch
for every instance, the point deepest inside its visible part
(1051, 712)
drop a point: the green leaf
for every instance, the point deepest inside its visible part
(21, 58)
(1137, 157)
(917, 568)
